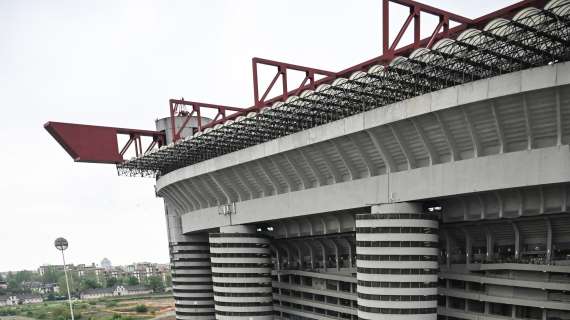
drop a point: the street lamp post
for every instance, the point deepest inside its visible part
(61, 244)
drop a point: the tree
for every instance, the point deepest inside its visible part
(132, 281)
(89, 282)
(111, 282)
(14, 286)
(156, 284)
(141, 308)
(25, 275)
(51, 275)
(74, 283)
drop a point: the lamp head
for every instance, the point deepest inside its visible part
(61, 244)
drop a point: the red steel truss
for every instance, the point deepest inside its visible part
(178, 108)
(97, 144)
(282, 69)
(100, 145)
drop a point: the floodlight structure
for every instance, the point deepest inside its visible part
(61, 244)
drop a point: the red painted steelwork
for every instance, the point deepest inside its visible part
(99, 144)
(177, 108)
(416, 9)
(282, 69)
(386, 57)
(86, 143)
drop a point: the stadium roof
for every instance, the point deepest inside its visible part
(533, 37)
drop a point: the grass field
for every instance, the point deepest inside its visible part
(143, 307)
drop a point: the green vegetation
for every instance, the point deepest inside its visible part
(111, 304)
(132, 281)
(156, 284)
(141, 308)
(17, 282)
(119, 308)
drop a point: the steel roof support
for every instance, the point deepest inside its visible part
(314, 170)
(243, 180)
(345, 160)
(188, 205)
(333, 170)
(363, 155)
(207, 191)
(433, 156)
(283, 173)
(527, 123)
(221, 186)
(240, 189)
(306, 183)
(407, 153)
(388, 161)
(448, 138)
(269, 175)
(266, 190)
(192, 195)
(498, 126)
(472, 133)
(558, 118)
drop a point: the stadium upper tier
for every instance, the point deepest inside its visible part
(533, 37)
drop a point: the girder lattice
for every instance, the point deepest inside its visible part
(534, 37)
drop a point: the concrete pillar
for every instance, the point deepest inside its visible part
(490, 244)
(548, 241)
(191, 272)
(518, 241)
(277, 258)
(397, 255)
(241, 273)
(447, 249)
(468, 247)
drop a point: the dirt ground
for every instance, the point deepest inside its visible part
(156, 306)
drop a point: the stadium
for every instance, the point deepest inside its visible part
(432, 182)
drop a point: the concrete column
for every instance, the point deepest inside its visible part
(277, 258)
(518, 241)
(241, 273)
(397, 255)
(447, 249)
(490, 244)
(191, 272)
(468, 247)
(548, 240)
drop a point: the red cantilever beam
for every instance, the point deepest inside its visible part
(96, 144)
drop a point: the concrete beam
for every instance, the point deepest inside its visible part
(516, 82)
(502, 171)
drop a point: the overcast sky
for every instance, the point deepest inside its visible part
(116, 63)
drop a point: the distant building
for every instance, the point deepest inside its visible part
(131, 290)
(40, 288)
(106, 264)
(3, 284)
(44, 269)
(96, 293)
(116, 291)
(47, 288)
(13, 300)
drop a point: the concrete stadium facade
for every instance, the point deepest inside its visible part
(450, 205)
